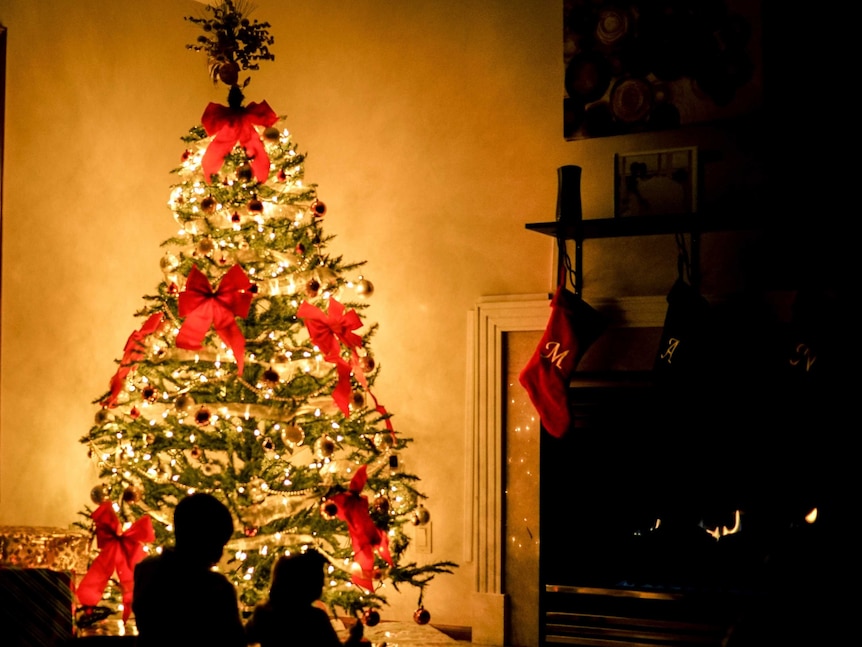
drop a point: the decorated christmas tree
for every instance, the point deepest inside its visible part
(251, 375)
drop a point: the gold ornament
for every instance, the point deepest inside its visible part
(103, 416)
(98, 494)
(324, 447)
(364, 288)
(420, 516)
(257, 489)
(169, 263)
(292, 435)
(243, 173)
(357, 399)
(206, 247)
(382, 440)
(271, 133)
(366, 363)
(184, 403)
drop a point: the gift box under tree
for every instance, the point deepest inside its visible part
(39, 567)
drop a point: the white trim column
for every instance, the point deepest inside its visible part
(492, 318)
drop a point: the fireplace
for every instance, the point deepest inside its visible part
(702, 512)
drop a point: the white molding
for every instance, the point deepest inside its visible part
(492, 318)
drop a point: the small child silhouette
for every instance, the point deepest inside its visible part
(290, 618)
(178, 599)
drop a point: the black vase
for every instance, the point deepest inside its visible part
(569, 194)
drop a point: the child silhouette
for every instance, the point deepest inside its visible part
(178, 599)
(289, 618)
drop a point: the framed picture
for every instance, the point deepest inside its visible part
(656, 183)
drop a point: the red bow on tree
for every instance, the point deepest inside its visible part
(328, 331)
(132, 352)
(364, 535)
(204, 307)
(118, 551)
(230, 126)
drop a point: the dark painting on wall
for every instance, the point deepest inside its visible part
(653, 65)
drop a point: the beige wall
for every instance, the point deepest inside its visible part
(434, 131)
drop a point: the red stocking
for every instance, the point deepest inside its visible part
(572, 327)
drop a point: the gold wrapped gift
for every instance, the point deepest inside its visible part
(56, 549)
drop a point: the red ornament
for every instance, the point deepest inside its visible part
(134, 413)
(282, 176)
(249, 531)
(208, 204)
(228, 73)
(328, 510)
(131, 494)
(202, 416)
(421, 616)
(312, 288)
(371, 617)
(318, 209)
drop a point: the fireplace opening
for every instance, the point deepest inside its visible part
(724, 495)
(673, 488)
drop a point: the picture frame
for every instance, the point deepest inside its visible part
(656, 183)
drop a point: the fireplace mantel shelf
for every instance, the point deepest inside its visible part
(645, 225)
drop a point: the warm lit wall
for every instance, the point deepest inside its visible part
(434, 131)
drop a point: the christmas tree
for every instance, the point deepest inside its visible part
(251, 376)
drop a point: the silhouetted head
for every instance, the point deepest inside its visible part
(297, 579)
(202, 527)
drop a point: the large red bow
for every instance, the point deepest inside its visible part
(230, 126)
(204, 307)
(365, 536)
(328, 331)
(132, 353)
(118, 551)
